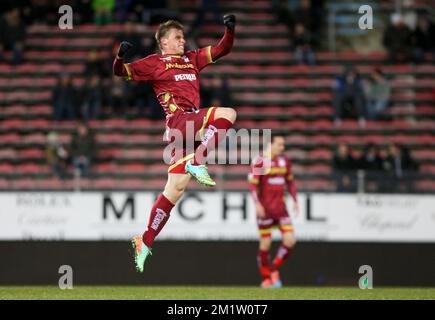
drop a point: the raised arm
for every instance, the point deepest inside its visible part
(118, 64)
(254, 181)
(226, 43)
(291, 187)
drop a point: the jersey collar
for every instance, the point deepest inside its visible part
(171, 55)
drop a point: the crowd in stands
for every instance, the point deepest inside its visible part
(99, 12)
(12, 35)
(360, 98)
(100, 88)
(390, 169)
(303, 19)
(355, 96)
(405, 44)
(79, 154)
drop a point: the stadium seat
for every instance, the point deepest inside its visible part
(269, 91)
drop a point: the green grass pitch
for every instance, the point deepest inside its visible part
(210, 292)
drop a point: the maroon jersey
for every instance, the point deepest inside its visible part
(269, 189)
(174, 78)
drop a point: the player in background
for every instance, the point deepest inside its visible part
(268, 192)
(174, 76)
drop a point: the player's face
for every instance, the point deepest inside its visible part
(173, 42)
(278, 146)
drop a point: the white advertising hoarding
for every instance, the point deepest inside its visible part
(213, 216)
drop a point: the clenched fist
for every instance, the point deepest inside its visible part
(230, 21)
(123, 48)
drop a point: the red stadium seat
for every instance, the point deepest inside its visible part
(24, 184)
(31, 153)
(110, 138)
(425, 185)
(105, 183)
(427, 168)
(424, 154)
(34, 138)
(10, 138)
(31, 167)
(319, 168)
(136, 167)
(324, 154)
(6, 168)
(51, 183)
(106, 167)
(296, 154)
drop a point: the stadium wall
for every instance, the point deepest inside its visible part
(211, 239)
(86, 216)
(214, 263)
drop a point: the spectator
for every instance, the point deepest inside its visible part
(103, 11)
(304, 15)
(40, 11)
(92, 98)
(371, 159)
(118, 95)
(310, 14)
(129, 34)
(423, 39)
(305, 12)
(303, 45)
(12, 35)
(217, 93)
(397, 40)
(349, 96)
(82, 149)
(83, 11)
(56, 154)
(122, 9)
(283, 13)
(399, 161)
(399, 166)
(64, 97)
(378, 93)
(156, 110)
(344, 169)
(155, 11)
(95, 65)
(371, 162)
(142, 97)
(205, 8)
(409, 163)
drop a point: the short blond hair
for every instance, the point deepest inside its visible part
(164, 28)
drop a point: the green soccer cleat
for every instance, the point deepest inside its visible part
(276, 281)
(141, 252)
(200, 173)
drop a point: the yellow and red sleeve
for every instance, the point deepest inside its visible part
(139, 70)
(211, 54)
(291, 185)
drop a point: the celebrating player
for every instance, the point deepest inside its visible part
(174, 76)
(268, 192)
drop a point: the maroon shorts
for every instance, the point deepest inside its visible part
(266, 225)
(199, 121)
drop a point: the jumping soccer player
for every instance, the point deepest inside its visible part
(174, 76)
(268, 192)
